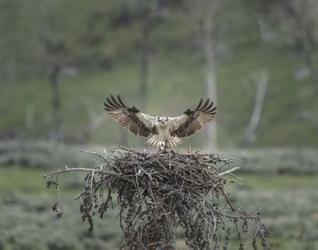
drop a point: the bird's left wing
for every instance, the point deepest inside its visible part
(130, 117)
(192, 120)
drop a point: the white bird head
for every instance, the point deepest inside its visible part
(162, 121)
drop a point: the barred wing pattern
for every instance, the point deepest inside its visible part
(130, 117)
(192, 120)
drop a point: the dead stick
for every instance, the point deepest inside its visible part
(227, 200)
(73, 169)
(228, 171)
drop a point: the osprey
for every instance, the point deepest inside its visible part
(165, 131)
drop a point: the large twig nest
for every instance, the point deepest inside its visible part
(157, 192)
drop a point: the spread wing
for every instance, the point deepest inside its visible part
(192, 120)
(130, 117)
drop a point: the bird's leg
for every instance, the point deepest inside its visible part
(166, 144)
(162, 146)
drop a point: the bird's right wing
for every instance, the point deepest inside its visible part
(130, 117)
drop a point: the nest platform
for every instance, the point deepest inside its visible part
(161, 193)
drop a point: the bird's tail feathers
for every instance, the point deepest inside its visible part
(157, 142)
(154, 141)
(173, 141)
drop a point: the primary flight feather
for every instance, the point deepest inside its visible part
(165, 131)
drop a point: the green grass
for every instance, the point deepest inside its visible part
(14, 179)
(22, 180)
(279, 182)
(31, 181)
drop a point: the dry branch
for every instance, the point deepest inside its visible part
(157, 192)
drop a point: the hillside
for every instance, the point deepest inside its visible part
(106, 60)
(290, 115)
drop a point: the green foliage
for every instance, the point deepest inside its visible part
(276, 160)
(27, 223)
(40, 154)
(274, 182)
(101, 39)
(235, 104)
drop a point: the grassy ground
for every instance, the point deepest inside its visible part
(288, 204)
(31, 181)
(280, 182)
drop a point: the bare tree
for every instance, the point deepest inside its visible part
(209, 10)
(297, 28)
(53, 78)
(54, 56)
(144, 59)
(302, 31)
(261, 81)
(152, 13)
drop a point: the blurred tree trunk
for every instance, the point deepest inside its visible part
(143, 74)
(251, 128)
(154, 10)
(144, 62)
(54, 82)
(209, 53)
(147, 23)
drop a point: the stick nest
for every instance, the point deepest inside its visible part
(159, 192)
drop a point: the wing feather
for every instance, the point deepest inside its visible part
(192, 120)
(130, 117)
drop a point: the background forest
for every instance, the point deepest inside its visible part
(257, 59)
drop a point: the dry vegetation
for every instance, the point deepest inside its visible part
(158, 192)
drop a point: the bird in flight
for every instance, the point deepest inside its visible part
(165, 131)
